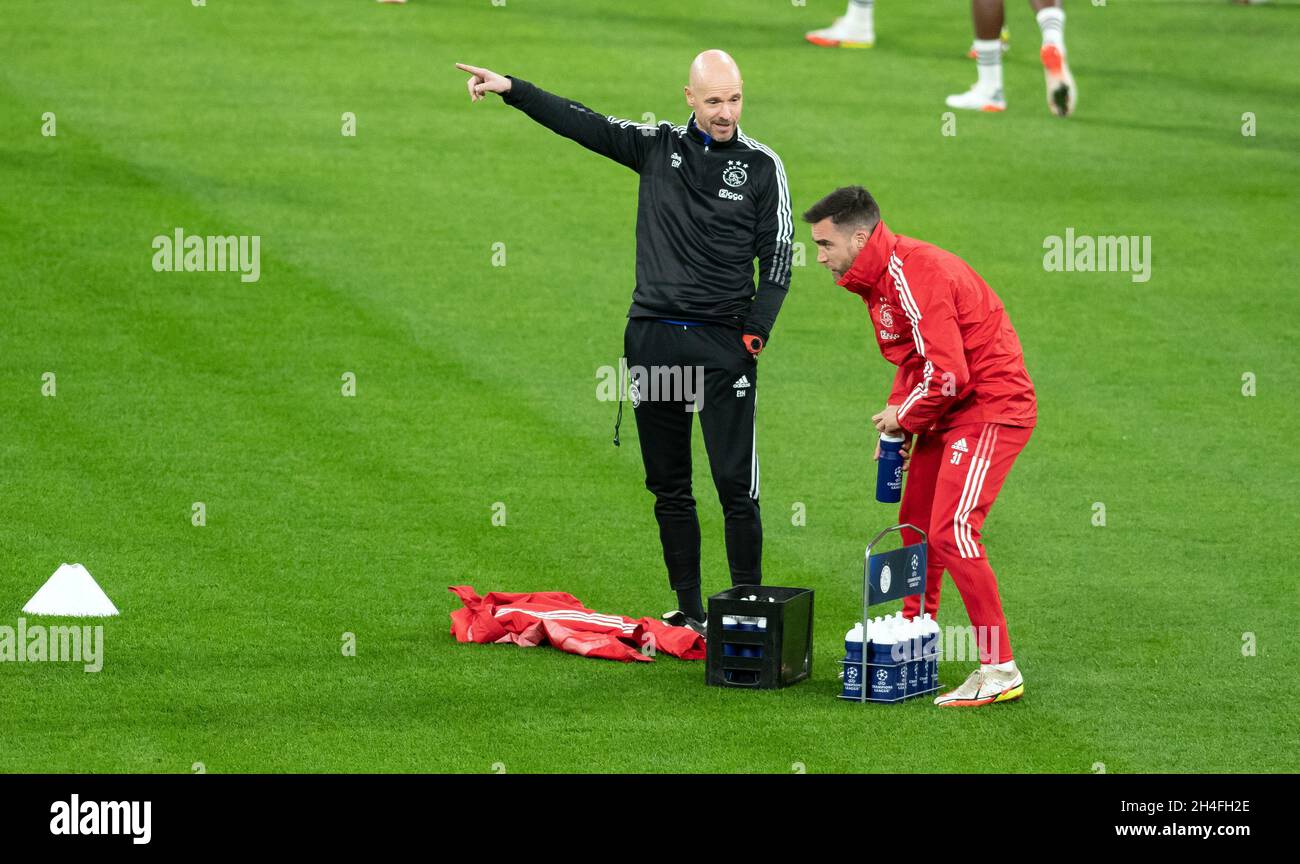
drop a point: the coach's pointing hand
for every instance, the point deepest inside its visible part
(483, 81)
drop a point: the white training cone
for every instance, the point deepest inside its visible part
(70, 591)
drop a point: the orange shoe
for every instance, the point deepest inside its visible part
(1062, 94)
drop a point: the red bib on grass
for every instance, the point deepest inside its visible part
(560, 619)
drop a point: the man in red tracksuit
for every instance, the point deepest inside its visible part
(961, 388)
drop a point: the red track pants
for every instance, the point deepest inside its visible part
(953, 478)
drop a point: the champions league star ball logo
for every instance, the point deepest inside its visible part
(735, 175)
(886, 578)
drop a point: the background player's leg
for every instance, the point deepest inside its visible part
(855, 29)
(664, 430)
(1062, 94)
(730, 379)
(986, 94)
(985, 19)
(918, 495)
(988, 17)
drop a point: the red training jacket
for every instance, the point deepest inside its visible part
(958, 357)
(562, 620)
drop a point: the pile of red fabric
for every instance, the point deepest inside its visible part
(562, 620)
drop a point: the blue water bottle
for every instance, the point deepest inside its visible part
(738, 676)
(914, 661)
(752, 625)
(882, 670)
(889, 470)
(933, 638)
(728, 648)
(853, 663)
(921, 656)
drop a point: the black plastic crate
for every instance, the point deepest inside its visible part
(786, 643)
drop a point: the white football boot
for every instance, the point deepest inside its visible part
(985, 686)
(978, 98)
(842, 34)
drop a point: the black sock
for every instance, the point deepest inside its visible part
(688, 601)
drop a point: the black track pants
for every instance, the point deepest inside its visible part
(705, 366)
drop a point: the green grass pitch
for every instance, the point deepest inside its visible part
(476, 383)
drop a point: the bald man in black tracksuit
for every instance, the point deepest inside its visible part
(711, 201)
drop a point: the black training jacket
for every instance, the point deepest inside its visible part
(705, 211)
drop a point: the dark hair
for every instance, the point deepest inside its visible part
(851, 205)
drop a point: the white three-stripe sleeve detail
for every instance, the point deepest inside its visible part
(783, 252)
(910, 308)
(920, 391)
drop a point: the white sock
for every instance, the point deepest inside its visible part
(1009, 666)
(859, 14)
(1052, 22)
(988, 56)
